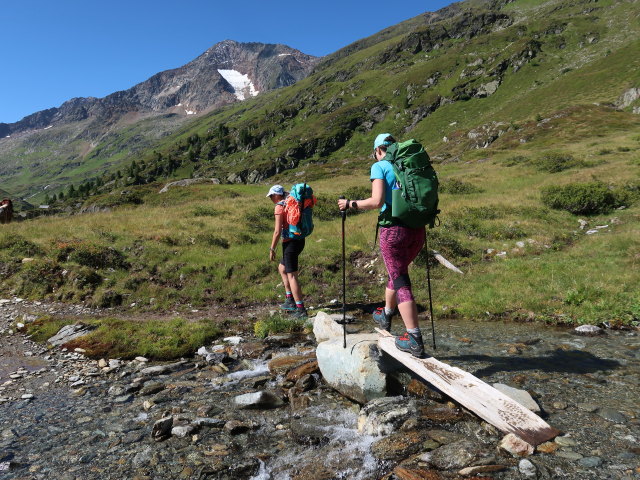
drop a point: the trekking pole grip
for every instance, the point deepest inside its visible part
(343, 213)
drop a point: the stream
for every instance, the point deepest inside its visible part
(63, 416)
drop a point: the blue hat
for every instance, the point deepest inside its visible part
(380, 140)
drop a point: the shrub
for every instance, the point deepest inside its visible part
(277, 324)
(584, 198)
(17, 245)
(259, 220)
(556, 162)
(515, 160)
(212, 240)
(204, 211)
(444, 243)
(39, 277)
(458, 187)
(90, 254)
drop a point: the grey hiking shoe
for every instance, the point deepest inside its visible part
(289, 304)
(413, 344)
(300, 313)
(382, 319)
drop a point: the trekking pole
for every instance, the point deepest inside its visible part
(433, 328)
(343, 214)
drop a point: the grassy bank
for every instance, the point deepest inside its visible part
(208, 244)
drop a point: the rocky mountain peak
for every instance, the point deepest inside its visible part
(227, 72)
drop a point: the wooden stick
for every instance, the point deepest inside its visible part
(446, 262)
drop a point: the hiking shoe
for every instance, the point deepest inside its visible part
(289, 305)
(300, 313)
(382, 319)
(413, 344)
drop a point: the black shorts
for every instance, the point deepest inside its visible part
(290, 252)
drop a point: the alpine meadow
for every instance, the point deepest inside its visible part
(529, 109)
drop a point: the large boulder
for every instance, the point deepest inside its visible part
(353, 371)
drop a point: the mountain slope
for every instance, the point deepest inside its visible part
(61, 139)
(456, 81)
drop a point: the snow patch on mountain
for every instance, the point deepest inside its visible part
(242, 86)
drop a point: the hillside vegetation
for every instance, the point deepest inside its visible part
(517, 105)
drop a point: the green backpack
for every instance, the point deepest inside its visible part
(415, 195)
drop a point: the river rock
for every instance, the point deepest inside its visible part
(612, 415)
(325, 328)
(282, 365)
(162, 429)
(468, 471)
(588, 330)
(353, 371)
(590, 462)
(398, 445)
(182, 431)
(383, 416)
(516, 446)
(150, 388)
(527, 468)
(261, 399)
(456, 455)
(161, 369)
(521, 396)
(70, 332)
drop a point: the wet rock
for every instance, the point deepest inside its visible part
(402, 473)
(353, 371)
(182, 431)
(444, 437)
(70, 332)
(398, 445)
(282, 365)
(527, 468)
(521, 396)
(162, 369)
(209, 422)
(566, 441)
(457, 455)
(612, 415)
(569, 454)
(475, 470)
(383, 416)
(441, 414)
(251, 350)
(151, 388)
(590, 462)
(162, 429)
(303, 370)
(310, 431)
(588, 330)
(210, 357)
(261, 399)
(516, 446)
(234, 427)
(417, 388)
(326, 328)
(547, 447)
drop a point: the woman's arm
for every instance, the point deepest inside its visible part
(376, 200)
(276, 236)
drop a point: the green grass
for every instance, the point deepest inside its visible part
(126, 338)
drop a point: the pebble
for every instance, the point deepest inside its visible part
(612, 415)
(527, 468)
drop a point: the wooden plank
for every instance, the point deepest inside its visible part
(481, 398)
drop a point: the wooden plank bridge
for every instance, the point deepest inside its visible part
(485, 401)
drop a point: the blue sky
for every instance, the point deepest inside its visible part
(54, 50)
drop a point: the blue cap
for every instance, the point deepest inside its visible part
(380, 140)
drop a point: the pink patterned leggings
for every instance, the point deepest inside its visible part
(400, 246)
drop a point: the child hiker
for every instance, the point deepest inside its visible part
(399, 245)
(291, 249)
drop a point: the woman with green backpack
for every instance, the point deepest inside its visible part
(399, 245)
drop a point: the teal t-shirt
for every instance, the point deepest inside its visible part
(383, 170)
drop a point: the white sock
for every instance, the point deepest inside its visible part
(415, 331)
(388, 311)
